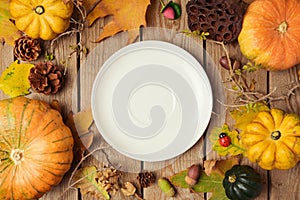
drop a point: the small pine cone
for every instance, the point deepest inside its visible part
(146, 179)
(27, 49)
(45, 77)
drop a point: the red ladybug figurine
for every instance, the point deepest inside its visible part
(224, 140)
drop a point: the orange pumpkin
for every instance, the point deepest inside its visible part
(36, 148)
(270, 34)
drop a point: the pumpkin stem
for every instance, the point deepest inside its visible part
(39, 10)
(275, 135)
(232, 178)
(282, 28)
(17, 156)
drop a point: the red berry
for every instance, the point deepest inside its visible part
(224, 140)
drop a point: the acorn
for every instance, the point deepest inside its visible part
(193, 174)
(166, 187)
(171, 10)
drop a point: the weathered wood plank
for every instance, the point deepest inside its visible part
(89, 67)
(195, 154)
(285, 183)
(62, 51)
(216, 51)
(64, 96)
(6, 58)
(160, 28)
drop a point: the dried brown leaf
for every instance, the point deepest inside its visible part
(220, 166)
(129, 189)
(83, 137)
(87, 179)
(83, 120)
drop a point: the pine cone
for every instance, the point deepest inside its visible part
(221, 19)
(27, 49)
(45, 78)
(146, 179)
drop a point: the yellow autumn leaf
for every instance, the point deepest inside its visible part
(245, 114)
(235, 147)
(126, 15)
(8, 31)
(14, 80)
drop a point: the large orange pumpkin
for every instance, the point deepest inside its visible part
(36, 148)
(270, 34)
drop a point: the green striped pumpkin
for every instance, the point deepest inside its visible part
(36, 148)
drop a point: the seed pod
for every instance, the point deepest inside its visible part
(166, 187)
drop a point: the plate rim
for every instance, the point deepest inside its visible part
(171, 48)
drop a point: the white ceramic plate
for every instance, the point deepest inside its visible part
(151, 101)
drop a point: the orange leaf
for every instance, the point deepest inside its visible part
(127, 15)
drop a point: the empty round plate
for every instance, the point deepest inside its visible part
(151, 101)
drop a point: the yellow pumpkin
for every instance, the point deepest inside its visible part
(36, 148)
(43, 19)
(270, 34)
(272, 139)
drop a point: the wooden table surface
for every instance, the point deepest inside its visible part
(81, 71)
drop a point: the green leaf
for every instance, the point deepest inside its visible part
(245, 114)
(8, 31)
(235, 148)
(86, 179)
(208, 183)
(14, 80)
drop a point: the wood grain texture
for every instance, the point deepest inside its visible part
(6, 58)
(284, 184)
(61, 53)
(76, 93)
(89, 67)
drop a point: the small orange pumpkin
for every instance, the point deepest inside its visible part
(270, 34)
(36, 148)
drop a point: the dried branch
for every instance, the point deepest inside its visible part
(245, 92)
(70, 185)
(78, 27)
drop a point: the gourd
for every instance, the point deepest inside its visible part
(43, 19)
(36, 148)
(242, 182)
(272, 139)
(270, 34)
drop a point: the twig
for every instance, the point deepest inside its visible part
(78, 29)
(70, 185)
(80, 162)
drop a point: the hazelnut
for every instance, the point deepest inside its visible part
(193, 174)
(234, 63)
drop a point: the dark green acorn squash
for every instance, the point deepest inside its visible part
(242, 182)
